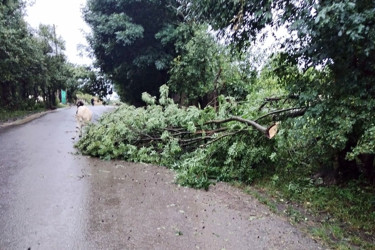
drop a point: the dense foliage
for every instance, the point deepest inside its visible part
(202, 144)
(132, 44)
(32, 63)
(33, 66)
(338, 124)
(205, 69)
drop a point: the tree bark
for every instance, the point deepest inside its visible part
(269, 132)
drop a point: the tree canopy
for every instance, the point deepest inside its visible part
(32, 63)
(128, 43)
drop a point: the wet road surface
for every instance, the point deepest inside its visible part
(42, 200)
(53, 198)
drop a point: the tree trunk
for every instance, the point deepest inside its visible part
(368, 165)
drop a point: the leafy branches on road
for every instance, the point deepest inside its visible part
(164, 133)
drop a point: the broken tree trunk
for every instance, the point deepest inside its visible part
(270, 132)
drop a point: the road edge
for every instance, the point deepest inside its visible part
(26, 119)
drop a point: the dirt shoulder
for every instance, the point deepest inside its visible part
(138, 206)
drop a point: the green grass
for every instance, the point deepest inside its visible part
(262, 199)
(6, 115)
(343, 216)
(336, 237)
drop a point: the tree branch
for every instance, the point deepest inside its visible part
(277, 99)
(222, 136)
(255, 125)
(294, 112)
(199, 132)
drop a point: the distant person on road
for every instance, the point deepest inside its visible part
(92, 101)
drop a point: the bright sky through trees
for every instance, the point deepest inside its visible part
(67, 17)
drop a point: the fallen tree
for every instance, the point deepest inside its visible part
(202, 144)
(157, 126)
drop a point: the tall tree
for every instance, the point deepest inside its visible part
(13, 37)
(54, 62)
(194, 70)
(125, 43)
(32, 63)
(206, 68)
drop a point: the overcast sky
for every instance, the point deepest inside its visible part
(67, 16)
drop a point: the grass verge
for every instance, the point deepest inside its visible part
(7, 116)
(343, 217)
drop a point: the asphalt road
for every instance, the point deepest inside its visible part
(42, 200)
(53, 198)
